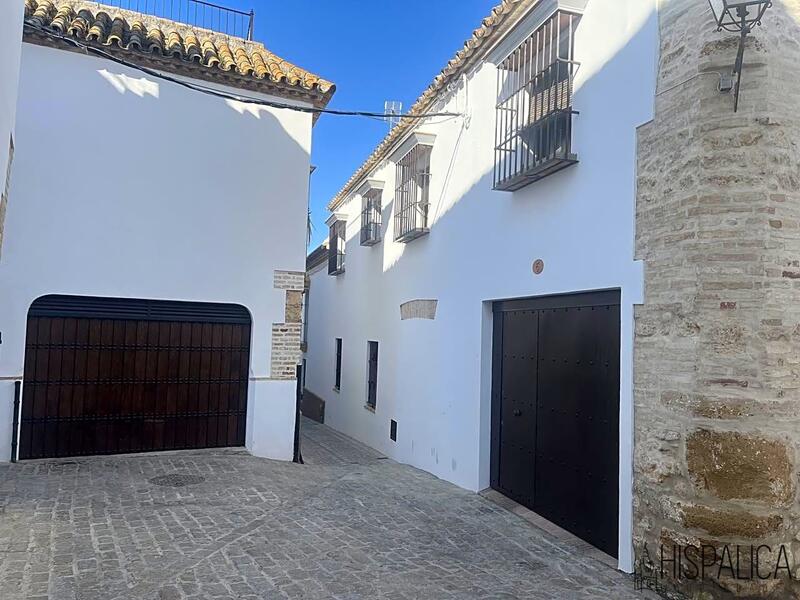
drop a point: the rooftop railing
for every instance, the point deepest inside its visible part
(228, 21)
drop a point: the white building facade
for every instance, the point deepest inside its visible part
(155, 242)
(457, 226)
(10, 47)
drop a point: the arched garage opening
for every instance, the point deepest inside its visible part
(114, 375)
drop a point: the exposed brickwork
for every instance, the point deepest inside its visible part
(717, 347)
(285, 350)
(294, 306)
(289, 280)
(286, 336)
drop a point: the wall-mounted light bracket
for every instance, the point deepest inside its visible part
(739, 16)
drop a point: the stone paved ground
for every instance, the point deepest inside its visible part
(348, 525)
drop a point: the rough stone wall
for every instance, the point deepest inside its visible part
(717, 347)
(286, 336)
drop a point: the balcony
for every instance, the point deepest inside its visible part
(534, 110)
(198, 13)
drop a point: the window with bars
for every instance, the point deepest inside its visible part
(4, 193)
(533, 132)
(372, 374)
(371, 217)
(337, 384)
(412, 192)
(336, 242)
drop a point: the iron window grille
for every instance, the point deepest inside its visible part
(412, 194)
(533, 130)
(371, 217)
(336, 245)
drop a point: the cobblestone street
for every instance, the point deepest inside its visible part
(349, 524)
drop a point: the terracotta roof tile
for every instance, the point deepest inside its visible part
(232, 60)
(502, 18)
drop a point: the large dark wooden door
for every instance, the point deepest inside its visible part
(556, 410)
(107, 375)
(518, 403)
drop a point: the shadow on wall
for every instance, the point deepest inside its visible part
(481, 247)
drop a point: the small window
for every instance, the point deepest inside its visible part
(412, 194)
(533, 132)
(338, 381)
(336, 243)
(372, 374)
(4, 193)
(371, 217)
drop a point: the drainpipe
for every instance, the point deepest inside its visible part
(15, 421)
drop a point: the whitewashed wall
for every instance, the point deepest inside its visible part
(434, 377)
(11, 18)
(129, 186)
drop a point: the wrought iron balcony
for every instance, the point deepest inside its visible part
(534, 110)
(199, 13)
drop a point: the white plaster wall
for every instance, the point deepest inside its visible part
(128, 186)
(435, 376)
(11, 17)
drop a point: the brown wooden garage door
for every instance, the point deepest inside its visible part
(108, 375)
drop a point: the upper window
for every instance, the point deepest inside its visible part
(533, 133)
(371, 216)
(372, 374)
(4, 193)
(336, 242)
(337, 382)
(412, 192)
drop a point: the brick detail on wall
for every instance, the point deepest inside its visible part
(289, 280)
(285, 350)
(294, 306)
(717, 340)
(286, 336)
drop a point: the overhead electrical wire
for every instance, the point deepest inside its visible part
(89, 49)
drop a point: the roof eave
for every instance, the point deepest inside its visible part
(314, 96)
(483, 39)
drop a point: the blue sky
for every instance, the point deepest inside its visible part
(374, 50)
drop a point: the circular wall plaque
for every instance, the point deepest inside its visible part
(538, 266)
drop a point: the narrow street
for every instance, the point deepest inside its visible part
(205, 524)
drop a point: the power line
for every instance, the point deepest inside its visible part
(89, 49)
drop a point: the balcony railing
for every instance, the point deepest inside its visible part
(199, 13)
(534, 110)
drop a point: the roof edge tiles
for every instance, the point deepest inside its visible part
(174, 47)
(500, 21)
